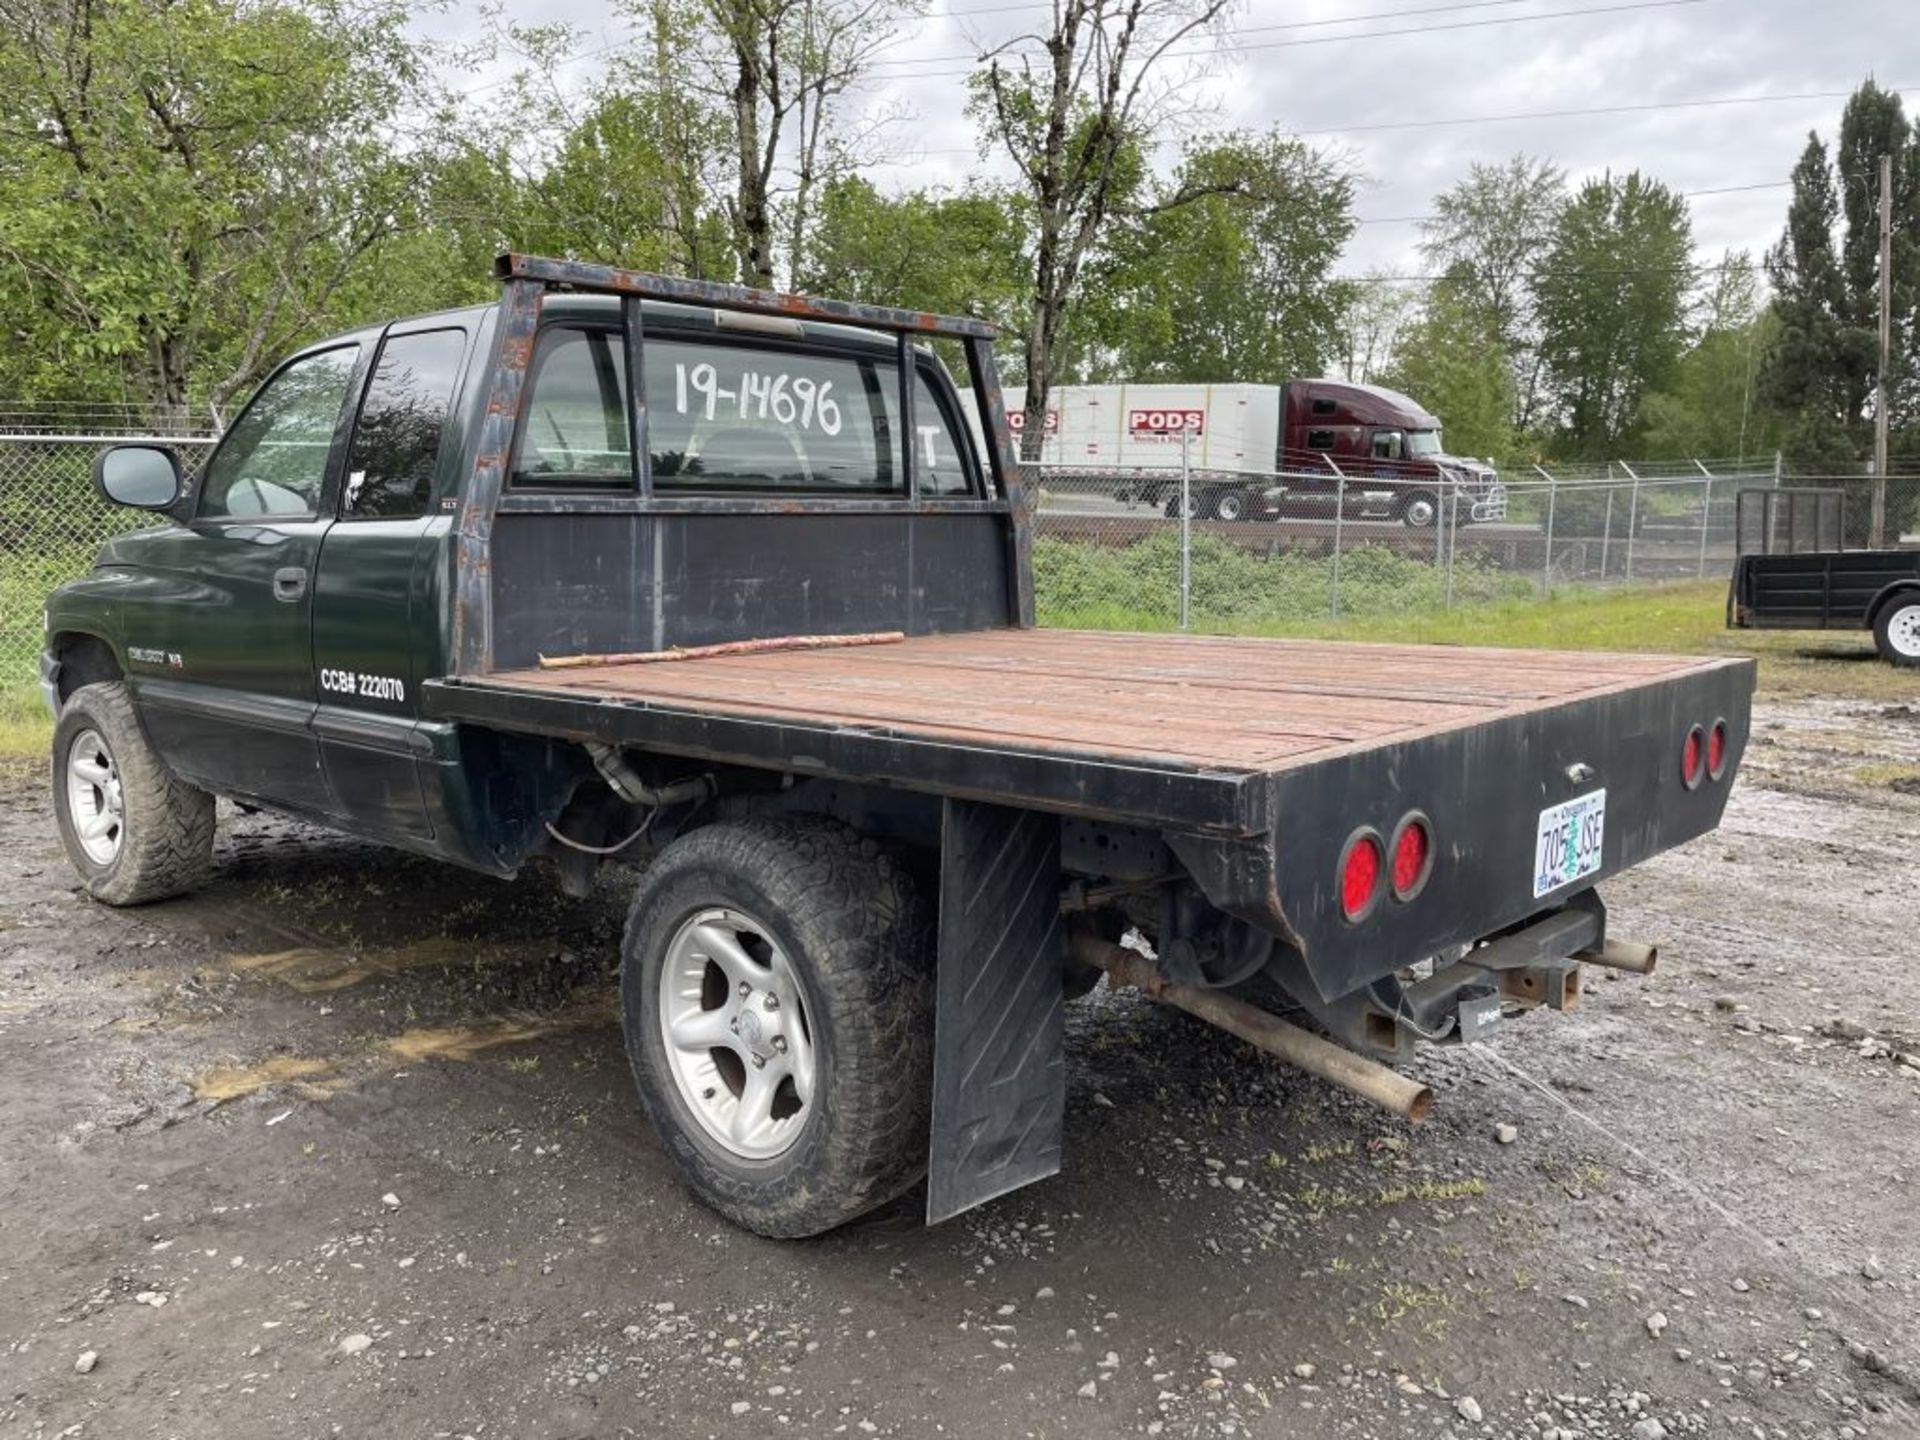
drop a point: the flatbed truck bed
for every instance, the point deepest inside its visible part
(1152, 728)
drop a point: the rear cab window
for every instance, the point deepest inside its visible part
(733, 417)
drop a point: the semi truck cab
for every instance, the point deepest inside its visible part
(1386, 443)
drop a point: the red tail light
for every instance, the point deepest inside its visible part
(1412, 857)
(1360, 866)
(1693, 757)
(1717, 749)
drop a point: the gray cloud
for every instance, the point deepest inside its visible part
(1719, 48)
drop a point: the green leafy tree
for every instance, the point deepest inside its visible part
(1711, 407)
(1449, 358)
(1237, 283)
(190, 183)
(1488, 235)
(952, 254)
(1611, 297)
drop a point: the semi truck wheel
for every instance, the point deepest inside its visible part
(1896, 630)
(1419, 510)
(776, 989)
(1229, 505)
(133, 831)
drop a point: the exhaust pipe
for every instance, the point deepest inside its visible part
(1625, 955)
(1366, 1078)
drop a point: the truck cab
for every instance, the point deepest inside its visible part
(1385, 450)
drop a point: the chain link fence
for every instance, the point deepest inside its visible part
(51, 523)
(1114, 551)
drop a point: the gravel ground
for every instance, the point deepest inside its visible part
(346, 1146)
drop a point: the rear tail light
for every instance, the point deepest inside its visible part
(1412, 856)
(1693, 759)
(1361, 866)
(1717, 749)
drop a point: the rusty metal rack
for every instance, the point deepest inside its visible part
(527, 280)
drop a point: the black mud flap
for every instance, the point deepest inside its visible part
(999, 1070)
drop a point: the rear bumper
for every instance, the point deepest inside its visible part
(1483, 789)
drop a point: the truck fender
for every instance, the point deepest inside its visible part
(76, 658)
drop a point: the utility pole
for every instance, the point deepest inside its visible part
(1879, 521)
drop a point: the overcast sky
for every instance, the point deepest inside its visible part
(1353, 77)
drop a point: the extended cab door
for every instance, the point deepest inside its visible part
(374, 612)
(218, 622)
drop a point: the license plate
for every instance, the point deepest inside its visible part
(1568, 844)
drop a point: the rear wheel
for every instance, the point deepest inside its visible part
(777, 997)
(1229, 505)
(1896, 631)
(133, 831)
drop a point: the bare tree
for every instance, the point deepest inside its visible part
(1073, 107)
(784, 67)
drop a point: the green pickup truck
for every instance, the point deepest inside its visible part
(724, 583)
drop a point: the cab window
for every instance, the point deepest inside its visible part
(573, 432)
(1386, 444)
(733, 418)
(396, 440)
(740, 417)
(273, 461)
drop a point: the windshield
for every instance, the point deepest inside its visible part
(1423, 442)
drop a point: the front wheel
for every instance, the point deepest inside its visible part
(1896, 631)
(133, 831)
(1419, 510)
(776, 989)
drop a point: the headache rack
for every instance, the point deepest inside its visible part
(526, 280)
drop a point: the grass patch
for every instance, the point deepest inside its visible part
(1387, 597)
(25, 728)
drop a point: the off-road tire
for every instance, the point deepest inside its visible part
(166, 848)
(850, 918)
(1895, 646)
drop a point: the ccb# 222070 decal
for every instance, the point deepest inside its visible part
(361, 686)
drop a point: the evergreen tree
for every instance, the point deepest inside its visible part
(1825, 275)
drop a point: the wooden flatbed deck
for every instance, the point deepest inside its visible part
(1185, 701)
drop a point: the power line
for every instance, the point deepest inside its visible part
(1456, 120)
(1593, 110)
(1365, 35)
(1241, 29)
(607, 49)
(1545, 274)
(1684, 194)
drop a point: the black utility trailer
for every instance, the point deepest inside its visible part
(719, 581)
(1783, 585)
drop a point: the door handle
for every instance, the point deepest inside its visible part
(289, 583)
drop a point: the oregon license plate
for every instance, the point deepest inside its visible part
(1568, 844)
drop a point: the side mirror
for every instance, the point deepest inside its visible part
(147, 477)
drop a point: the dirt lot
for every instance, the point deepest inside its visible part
(346, 1146)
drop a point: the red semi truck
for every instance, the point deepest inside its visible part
(1262, 451)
